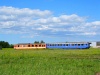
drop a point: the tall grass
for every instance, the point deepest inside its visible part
(49, 62)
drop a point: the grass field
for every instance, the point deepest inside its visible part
(49, 62)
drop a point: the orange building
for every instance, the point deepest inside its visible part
(30, 46)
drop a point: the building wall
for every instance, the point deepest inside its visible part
(95, 44)
(98, 43)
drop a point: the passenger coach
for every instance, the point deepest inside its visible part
(30, 46)
(69, 45)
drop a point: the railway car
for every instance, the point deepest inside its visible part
(69, 45)
(30, 46)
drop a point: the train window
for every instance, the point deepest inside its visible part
(32, 45)
(66, 44)
(39, 45)
(50, 45)
(63, 44)
(72, 44)
(35, 45)
(82, 44)
(75, 44)
(78, 44)
(18, 45)
(60, 44)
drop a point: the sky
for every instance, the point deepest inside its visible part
(26, 21)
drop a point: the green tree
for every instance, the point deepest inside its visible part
(11, 46)
(0, 48)
(4, 44)
(42, 41)
(36, 42)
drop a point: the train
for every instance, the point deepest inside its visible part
(67, 45)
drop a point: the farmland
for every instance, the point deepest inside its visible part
(49, 62)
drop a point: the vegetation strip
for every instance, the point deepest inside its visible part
(49, 62)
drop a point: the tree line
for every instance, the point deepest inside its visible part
(39, 42)
(4, 44)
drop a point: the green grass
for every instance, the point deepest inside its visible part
(49, 62)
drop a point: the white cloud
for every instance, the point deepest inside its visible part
(29, 21)
(24, 12)
(89, 33)
(96, 23)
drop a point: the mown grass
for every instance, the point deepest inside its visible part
(49, 62)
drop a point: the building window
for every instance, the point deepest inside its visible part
(98, 43)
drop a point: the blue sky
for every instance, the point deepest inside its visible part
(26, 21)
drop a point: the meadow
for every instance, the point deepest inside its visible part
(49, 62)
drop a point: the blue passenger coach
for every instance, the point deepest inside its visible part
(69, 45)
